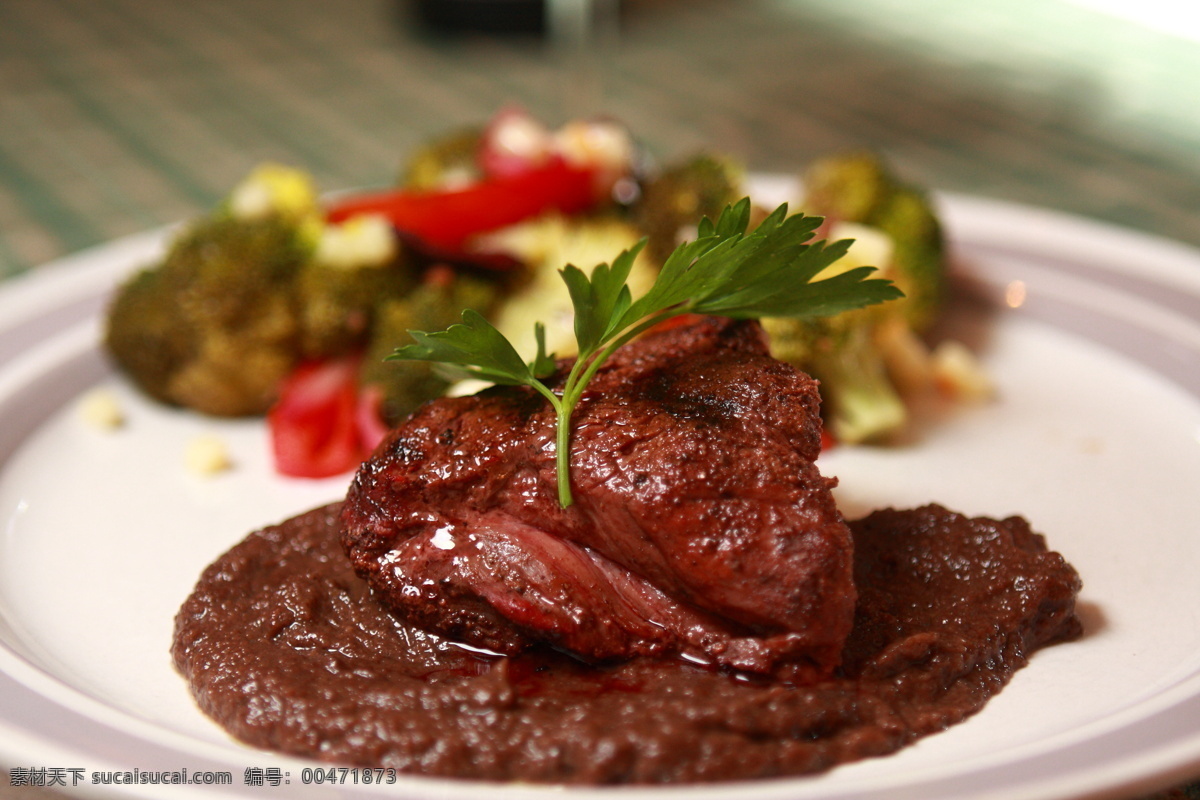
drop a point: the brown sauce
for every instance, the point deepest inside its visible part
(285, 647)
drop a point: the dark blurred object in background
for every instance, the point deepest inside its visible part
(569, 22)
(482, 16)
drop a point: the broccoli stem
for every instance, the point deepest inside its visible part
(862, 405)
(865, 409)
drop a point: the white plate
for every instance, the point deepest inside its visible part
(1095, 438)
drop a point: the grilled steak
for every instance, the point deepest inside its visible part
(701, 525)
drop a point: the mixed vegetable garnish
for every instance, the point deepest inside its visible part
(282, 304)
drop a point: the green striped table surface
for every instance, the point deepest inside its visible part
(124, 115)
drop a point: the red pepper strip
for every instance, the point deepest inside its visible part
(314, 426)
(446, 219)
(676, 322)
(369, 418)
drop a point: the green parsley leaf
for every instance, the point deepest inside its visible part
(771, 271)
(474, 347)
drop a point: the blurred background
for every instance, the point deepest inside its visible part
(124, 115)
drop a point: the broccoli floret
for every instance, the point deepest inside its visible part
(144, 334)
(918, 255)
(675, 200)
(336, 306)
(845, 187)
(357, 266)
(433, 305)
(447, 160)
(861, 188)
(869, 361)
(249, 291)
(859, 401)
(237, 303)
(212, 327)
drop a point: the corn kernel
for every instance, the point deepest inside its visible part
(206, 455)
(100, 409)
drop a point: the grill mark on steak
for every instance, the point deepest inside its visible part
(701, 525)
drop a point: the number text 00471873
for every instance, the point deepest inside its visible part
(50, 777)
(344, 775)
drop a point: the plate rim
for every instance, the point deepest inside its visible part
(34, 291)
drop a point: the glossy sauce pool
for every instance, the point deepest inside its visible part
(285, 647)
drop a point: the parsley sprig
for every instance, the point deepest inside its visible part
(725, 271)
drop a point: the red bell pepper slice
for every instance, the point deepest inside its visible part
(369, 417)
(316, 426)
(447, 219)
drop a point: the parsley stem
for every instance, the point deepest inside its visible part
(562, 457)
(545, 392)
(581, 374)
(571, 392)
